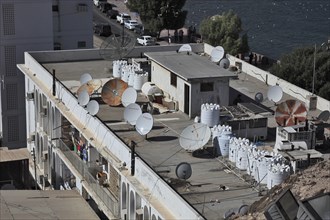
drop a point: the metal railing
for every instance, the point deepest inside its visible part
(103, 193)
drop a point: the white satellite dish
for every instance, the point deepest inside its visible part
(129, 96)
(84, 78)
(131, 113)
(83, 98)
(224, 63)
(195, 136)
(185, 48)
(275, 93)
(217, 54)
(93, 107)
(183, 171)
(144, 123)
(259, 97)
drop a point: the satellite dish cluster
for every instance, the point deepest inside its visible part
(217, 56)
(87, 88)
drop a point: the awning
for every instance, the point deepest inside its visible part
(13, 155)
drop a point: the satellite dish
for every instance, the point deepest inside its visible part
(83, 98)
(84, 78)
(112, 91)
(275, 93)
(224, 63)
(217, 54)
(144, 123)
(290, 112)
(324, 116)
(185, 48)
(195, 136)
(183, 171)
(259, 97)
(93, 107)
(91, 86)
(116, 47)
(131, 113)
(129, 96)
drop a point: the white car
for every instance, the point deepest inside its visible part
(131, 24)
(97, 2)
(146, 40)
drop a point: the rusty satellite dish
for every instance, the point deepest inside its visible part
(290, 112)
(112, 91)
(91, 86)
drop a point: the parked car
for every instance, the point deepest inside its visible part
(105, 6)
(122, 17)
(130, 24)
(139, 29)
(146, 40)
(103, 29)
(112, 13)
(97, 2)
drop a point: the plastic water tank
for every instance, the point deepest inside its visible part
(131, 78)
(139, 80)
(150, 88)
(232, 149)
(116, 69)
(242, 158)
(210, 114)
(277, 173)
(223, 149)
(264, 163)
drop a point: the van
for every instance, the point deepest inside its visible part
(102, 29)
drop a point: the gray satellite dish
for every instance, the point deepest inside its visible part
(84, 78)
(195, 136)
(259, 97)
(116, 47)
(324, 116)
(93, 107)
(144, 123)
(83, 98)
(183, 171)
(129, 96)
(185, 48)
(131, 113)
(224, 63)
(275, 93)
(217, 54)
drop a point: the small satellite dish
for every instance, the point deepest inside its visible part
(185, 48)
(217, 54)
(183, 171)
(290, 112)
(93, 107)
(83, 98)
(144, 123)
(112, 91)
(324, 116)
(129, 96)
(275, 93)
(131, 113)
(195, 136)
(84, 78)
(224, 63)
(91, 86)
(259, 97)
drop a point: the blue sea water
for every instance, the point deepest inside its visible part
(274, 27)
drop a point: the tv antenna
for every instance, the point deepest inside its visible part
(84, 78)
(144, 123)
(195, 136)
(224, 63)
(259, 97)
(129, 96)
(93, 107)
(131, 113)
(90, 86)
(275, 93)
(290, 112)
(183, 171)
(83, 98)
(217, 54)
(185, 48)
(112, 91)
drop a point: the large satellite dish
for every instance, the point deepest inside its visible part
(112, 91)
(290, 112)
(324, 116)
(183, 171)
(84, 78)
(91, 86)
(131, 113)
(116, 47)
(275, 93)
(129, 96)
(217, 54)
(259, 97)
(195, 136)
(83, 98)
(93, 107)
(185, 48)
(144, 123)
(224, 63)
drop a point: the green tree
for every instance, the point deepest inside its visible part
(298, 66)
(158, 15)
(225, 30)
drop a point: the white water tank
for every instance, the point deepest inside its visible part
(116, 69)
(242, 157)
(139, 80)
(210, 114)
(131, 78)
(232, 149)
(223, 149)
(264, 163)
(277, 173)
(217, 131)
(150, 88)
(253, 155)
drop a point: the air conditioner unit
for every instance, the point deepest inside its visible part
(30, 96)
(312, 102)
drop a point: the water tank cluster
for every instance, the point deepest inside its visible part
(131, 74)
(221, 135)
(210, 114)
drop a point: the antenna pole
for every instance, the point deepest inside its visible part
(132, 158)
(54, 85)
(314, 69)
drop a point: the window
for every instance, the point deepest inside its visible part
(57, 46)
(206, 87)
(173, 79)
(82, 7)
(8, 13)
(81, 44)
(55, 7)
